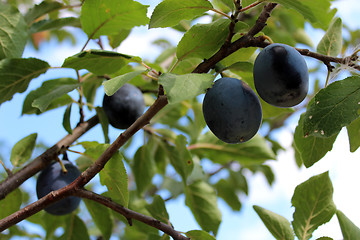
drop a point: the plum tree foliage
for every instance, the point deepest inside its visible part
(176, 139)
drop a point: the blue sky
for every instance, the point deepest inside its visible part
(245, 225)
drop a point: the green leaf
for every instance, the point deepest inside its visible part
(108, 17)
(66, 119)
(324, 238)
(43, 102)
(50, 24)
(90, 86)
(13, 32)
(180, 157)
(187, 86)
(331, 43)
(143, 168)
(75, 229)
(115, 178)
(353, 131)
(101, 217)
(99, 62)
(113, 175)
(199, 235)
(200, 197)
(117, 39)
(203, 40)
(276, 224)
(39, 10)
(104, 122)
(46, 88)
(112, 85)
(11, 203)
(16, 74)
(313, 204)
(158, 210)
(22, 150)
(317, 12)
(311, 148)
(168, 13)
(348, 228)
(254, 151)
(227, 192)
(334, 107)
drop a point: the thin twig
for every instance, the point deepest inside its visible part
(130, 214)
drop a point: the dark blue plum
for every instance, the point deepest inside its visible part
(281, 75)
(124, 106)
(53, 178)
(232, 110)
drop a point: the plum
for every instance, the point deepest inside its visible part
(232, 110)
(124, 106)
(281, 75)
(53, 178)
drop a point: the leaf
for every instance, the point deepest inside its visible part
(313, 204)
(324, 238)
(43, 102)
(226, 191)
(203, 40)
(254, 151)
(353, 131)
(168, 13)
(113, 175)
(200, 197)
(108, 17)
(22, 150)
(13, 32)
(199, 235)
(348, 228)
(183, 87)
(66, 119)
(101, 217)
(104, 122)
(16, 74)
(99, 62)
(50, 24)
(317, 12)
(11, 203)
(334, 107)
(75, 229)
(331, 43)
(90, 86)
(112, 85)
(115, 178)
(311, 148)
(180, 157)
(158, 210)
(118, 38)
(45, 88)
(41, 9)
(276, 224)
(143, 168)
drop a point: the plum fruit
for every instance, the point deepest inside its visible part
(232, 110)
(124, 106)
(281, 75)
(53, 178)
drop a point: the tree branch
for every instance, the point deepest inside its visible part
(90, 172)
(15, 180)
(130, 214)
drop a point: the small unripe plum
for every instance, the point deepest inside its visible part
(281, 75)
(124, 106)
(53, 178)
(232, 110)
